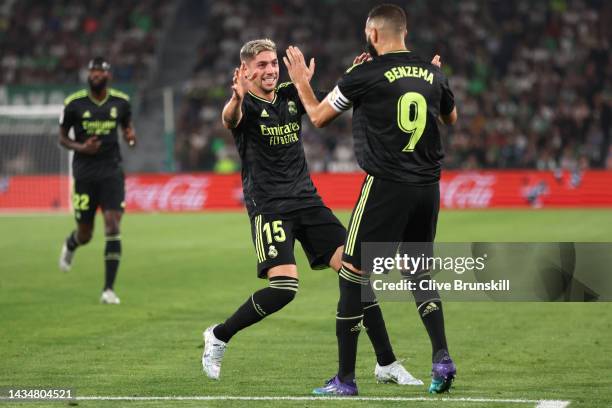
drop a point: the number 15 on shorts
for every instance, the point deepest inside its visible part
(274, 230)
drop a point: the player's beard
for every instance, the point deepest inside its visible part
(97, 87)
(370, 47)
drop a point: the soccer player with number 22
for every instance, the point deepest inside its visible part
(95, 114)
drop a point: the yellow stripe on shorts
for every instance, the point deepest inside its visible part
(354, 227)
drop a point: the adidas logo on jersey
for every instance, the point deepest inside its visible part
(86, 115)
(264, 114)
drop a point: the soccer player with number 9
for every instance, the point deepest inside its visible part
(397, 98)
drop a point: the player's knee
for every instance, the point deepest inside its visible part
(282, 291)
(111, 228)
(111, 231)
(111, 223)
(84, 236)
(286, 288)
(336, 260)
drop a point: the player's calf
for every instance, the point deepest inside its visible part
(280, 292)
(72, 242)
(112, 257)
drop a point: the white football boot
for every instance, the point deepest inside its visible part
(65, 260)
(395, 372)
(214, 349)
(109, 298)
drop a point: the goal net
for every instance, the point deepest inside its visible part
(34, 169)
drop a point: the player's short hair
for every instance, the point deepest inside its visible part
(252, 48)
(393, 16)
(99, 63)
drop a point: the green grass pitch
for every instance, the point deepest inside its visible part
(181, 273)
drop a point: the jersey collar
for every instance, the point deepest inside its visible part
(396, 52)
(99, 103)
(262, 99)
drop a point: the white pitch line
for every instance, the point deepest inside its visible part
(540, 403)
(552, 404)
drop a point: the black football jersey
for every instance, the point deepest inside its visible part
(275, 177)
(396, 100)
(88, 118)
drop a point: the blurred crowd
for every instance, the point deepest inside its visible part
(532, 80)
(51, 41)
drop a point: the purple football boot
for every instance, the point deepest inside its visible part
(442, 373)
(335, 387)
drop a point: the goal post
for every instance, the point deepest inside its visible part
(35, 171)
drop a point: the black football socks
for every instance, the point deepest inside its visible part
(429, 308)
(112, 256)
(348, 321)
(264, 302)
(72, 242)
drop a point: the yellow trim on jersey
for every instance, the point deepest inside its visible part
(353, 66)
(259, 247)
(262, 99)
(99, 103)
(76, 95)
(356, 221)
(396, 52)
(118, 94)
(282, 85)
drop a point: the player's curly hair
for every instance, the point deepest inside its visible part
(254, 47)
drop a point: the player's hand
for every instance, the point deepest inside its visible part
(311, 69)
(296, 66)
(90, 146)
(240, 82)
(130, 136)
(437, 61)
(362, 58)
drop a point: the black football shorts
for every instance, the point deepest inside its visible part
(107, 193)
(388, 211)
(274, 235)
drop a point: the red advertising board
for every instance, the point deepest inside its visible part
(203, 191)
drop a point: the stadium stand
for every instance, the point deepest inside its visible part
(533, 80)
(51, 41)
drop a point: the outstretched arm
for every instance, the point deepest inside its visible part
(452, 116)
(232, 112)
(320, 113)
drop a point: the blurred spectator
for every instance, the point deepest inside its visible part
(51, 41)
(532, 80)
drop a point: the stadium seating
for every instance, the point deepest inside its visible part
(532, 92)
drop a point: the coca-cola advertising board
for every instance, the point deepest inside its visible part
(203, 191)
